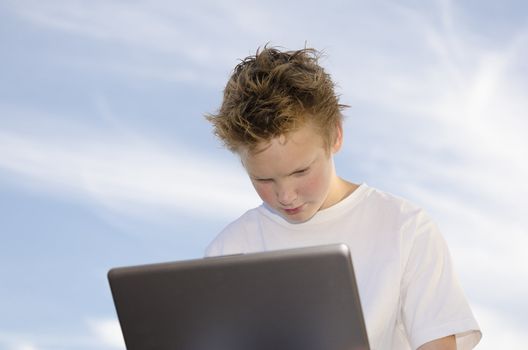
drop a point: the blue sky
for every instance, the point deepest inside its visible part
(106, 159)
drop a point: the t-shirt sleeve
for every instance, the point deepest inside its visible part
(231, 240)
(213, 249)
(433, 303)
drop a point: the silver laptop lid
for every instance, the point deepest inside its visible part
(304, 298)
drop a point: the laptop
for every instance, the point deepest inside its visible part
(294, 299)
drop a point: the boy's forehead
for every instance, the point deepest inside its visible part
(276, 146)
(306, 134)
(283, 153)
(263, 146)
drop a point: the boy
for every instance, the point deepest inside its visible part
(280, 114)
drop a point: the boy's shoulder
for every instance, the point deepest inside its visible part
(371, 203)
(232, 239)
(387, 199)
(410, 217)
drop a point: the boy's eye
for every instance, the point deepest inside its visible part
(301, 172)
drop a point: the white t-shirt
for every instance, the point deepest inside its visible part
(409, 292)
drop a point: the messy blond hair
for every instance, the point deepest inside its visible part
(274, 93)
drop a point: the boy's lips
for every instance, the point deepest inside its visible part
(293, 211)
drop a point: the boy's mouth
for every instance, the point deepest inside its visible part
(293, 211)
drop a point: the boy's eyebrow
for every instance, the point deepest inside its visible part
(302, 168)
(257, 177)
(299, 170)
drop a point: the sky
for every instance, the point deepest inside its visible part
(106, 159)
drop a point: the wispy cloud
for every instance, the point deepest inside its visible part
(127, 23)
(499, 331)
(458, 148)
(108, 332)
(128, 175)
(466, 101)
(452, 106)
(179, 39)
(10, 341)
(96, 333)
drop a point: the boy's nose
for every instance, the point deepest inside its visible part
(286, 196)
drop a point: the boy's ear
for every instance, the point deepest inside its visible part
(338, 142)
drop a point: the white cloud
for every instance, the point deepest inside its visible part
(101, 334)
(499, 332)
(465, 99)
(129, 23)
(158, 26)
(125, 174)
(458, 147)
(108, 332)
(15, 342)
(24, 347)
(158, 40)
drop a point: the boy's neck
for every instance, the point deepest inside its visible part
(342, 189)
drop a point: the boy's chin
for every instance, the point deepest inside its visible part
(296, 221)
(298, 218)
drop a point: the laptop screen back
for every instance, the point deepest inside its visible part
(303, 298)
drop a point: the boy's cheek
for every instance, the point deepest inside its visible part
(264, 193)
(313, 186)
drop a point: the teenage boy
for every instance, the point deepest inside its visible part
(281, 116)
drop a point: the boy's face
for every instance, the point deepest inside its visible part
(294, 174)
